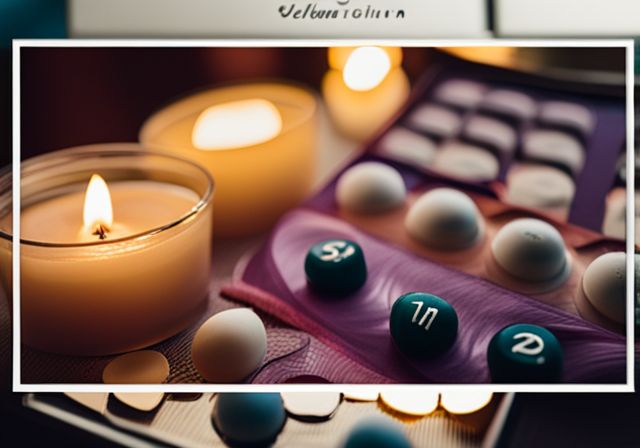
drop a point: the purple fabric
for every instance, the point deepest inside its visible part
(360, 323)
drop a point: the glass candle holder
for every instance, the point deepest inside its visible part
(145, 279)
(258, 140)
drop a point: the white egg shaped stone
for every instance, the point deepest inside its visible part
(444, 218)
(604, 285)
(531, 250)
(229, 346)
(370, 187)
(540, 186)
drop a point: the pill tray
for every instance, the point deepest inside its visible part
(486, 299)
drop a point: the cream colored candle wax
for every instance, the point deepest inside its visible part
(257, 140)
(95, 283)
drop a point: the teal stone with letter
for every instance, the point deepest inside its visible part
(423, 325)
(525, 353)
(335, 267)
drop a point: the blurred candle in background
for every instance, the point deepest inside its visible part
(364, 88)
(257, 140)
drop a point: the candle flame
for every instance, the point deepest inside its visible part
(366, 68)
(236, 124)
(97, 212)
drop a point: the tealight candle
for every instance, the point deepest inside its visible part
(257, 140)
(115, 265)
(363, 88)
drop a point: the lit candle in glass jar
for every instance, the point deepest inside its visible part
(257, 140)
(110, 266)
(364, 88)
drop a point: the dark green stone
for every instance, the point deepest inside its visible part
(335, 267)
(524, 353)
(423, 325)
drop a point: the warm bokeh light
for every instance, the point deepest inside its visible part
(97, 211)
(411, 401)
(236, 124)
(366, 68)
(465, 401)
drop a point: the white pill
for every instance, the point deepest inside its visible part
(437, 120)
(466, 162)
(316, 405)
(410, 402)
(444, 218)
(462, 402)
(540, 186)
(141, 367)
(489, 131)
(361, 394)
(229, 346)
(554, 147)
(616, 214)
(571, 115)
(511, 103)
(370, 187)
(604, 285)
(460, 92)
(531, 250)
(407, 146)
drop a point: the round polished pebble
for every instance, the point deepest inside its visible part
(510, 103)
(407, 146)
(370, 187)
(444, 218)
(410, 401)
(462, 402)
(249, 419)
(540, 186)
(336, 267)
(229, 346)
(376, 432)
(141, 367)
(311, 405)
(436, 120)
(531, 250)
(554, 147)
(524, 353)
(466, 162)
(492, 132)
(140, 401)
(572, 115)
(423, 325)
(604, 285)
(460, 93)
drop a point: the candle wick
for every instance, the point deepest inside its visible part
(101, 231)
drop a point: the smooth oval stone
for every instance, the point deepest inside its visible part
(510, 103)
(141, 401)
(361, 394)
(531, 250)
(604, 283)
(555, 147)
(466, 162)
(435, 120)
(444, 218)
(140, 367)
(409, 147)
(248, 419)
(494, 133)
(335, 266)
(571, 115)
(423, 325)
(376, 432)
(370, 187)
(460, 92)
(524, 353)
(229, 346)
(540, 186)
